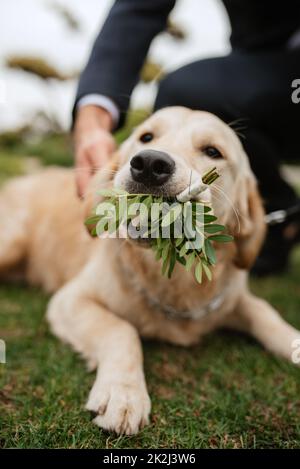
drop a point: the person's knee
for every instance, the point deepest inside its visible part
(169, 92)
(193, 86)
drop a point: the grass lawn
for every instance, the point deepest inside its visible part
(226, 392)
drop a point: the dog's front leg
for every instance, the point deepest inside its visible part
(119, 395)
(258, 318)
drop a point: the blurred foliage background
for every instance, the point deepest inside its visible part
(225, 393)
(43, 137)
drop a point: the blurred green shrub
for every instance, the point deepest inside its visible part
(11, 138)
(38, 67)
(68, 17)
(10, 165)
(175, 30)
(50, 148)
(151, 71)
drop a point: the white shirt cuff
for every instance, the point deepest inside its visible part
(101, 101)
(294, 41)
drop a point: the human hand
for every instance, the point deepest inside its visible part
(93, 143)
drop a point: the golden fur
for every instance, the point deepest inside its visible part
(110, 291)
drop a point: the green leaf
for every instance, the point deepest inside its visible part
(176, 211)
(118, 191)
(148, 201)
(199, 207)
(92, 220)
(172, 215)
(210, 252)
(204, 250)
(174, 249)
(190, 261)
(166, 220)
(112, 192)
(213, 228)
(101, 228)
(158, 254)
(183, 250)
(133, 200)
(207, 271)
(172, 262)
(210, 176)
(154, 234)
(198, 272)
(165, 263)
(106, 192)
(200, 227)
(209, 218)
(178, 242)
(112, 227)
(158, 243)
(222, 238)
(165, 251)
(181, 260)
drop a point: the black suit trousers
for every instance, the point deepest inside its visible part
(252, 92)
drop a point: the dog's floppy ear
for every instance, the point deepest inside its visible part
(102, 179)
(249, 233)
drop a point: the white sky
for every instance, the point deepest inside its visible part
(31, 27)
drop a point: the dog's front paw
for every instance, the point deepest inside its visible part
(120, 407)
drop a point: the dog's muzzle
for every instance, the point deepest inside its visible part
(151, 168)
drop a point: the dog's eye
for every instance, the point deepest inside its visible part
(212, 152)
(146, 137)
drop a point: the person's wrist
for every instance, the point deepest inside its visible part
(91, 117)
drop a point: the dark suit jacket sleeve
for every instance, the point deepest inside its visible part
(120, 49)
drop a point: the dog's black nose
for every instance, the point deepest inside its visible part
(151, 167)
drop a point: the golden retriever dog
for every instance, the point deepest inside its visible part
(109, 292)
